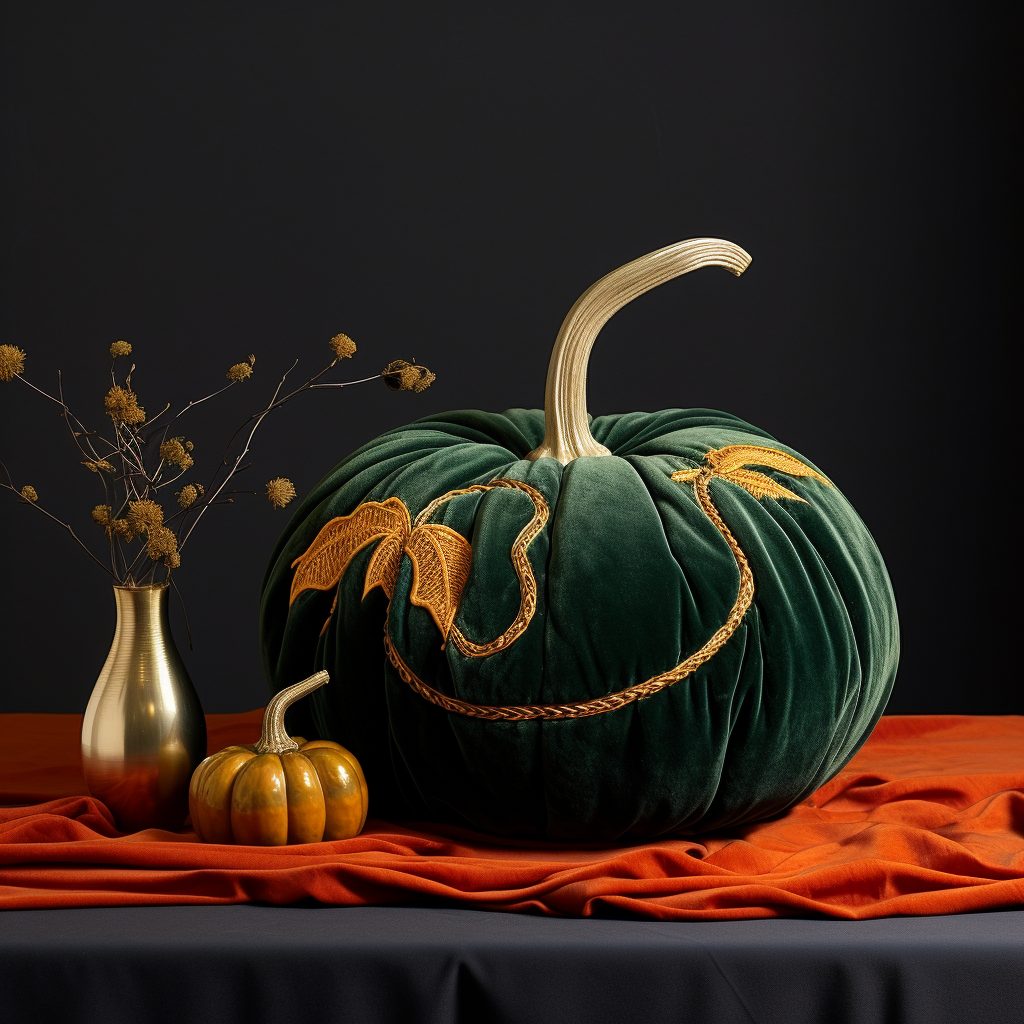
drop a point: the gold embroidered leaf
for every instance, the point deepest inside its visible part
(725, 460)
(324, 562)
(759, 485)
(685, 476)
(384, 562)
(440, 562)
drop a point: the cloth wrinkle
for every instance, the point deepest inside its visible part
(928, 818)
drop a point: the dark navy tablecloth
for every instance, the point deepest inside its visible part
(416, 965)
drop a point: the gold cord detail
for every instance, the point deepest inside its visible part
(520, 562)
(613, 701)
(725, 463)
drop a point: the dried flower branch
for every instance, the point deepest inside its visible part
(141, 459)
(49, 515)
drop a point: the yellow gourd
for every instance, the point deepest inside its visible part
(280, 790)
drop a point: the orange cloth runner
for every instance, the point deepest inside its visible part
(927, 819)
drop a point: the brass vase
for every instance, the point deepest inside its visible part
(144, 731)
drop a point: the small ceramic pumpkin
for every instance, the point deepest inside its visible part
(280, 790)
(593, 630)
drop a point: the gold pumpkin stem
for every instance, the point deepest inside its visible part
(566, 429)
(275, 740)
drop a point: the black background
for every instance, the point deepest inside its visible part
(441, 182)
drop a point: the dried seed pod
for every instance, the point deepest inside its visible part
(280, 491)
(342, 346)
(12, 362)
(400, 375)
(239, 371)
(145, 515)
(123, 406)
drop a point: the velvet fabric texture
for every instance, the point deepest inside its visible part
(632, 578)
(926, 819)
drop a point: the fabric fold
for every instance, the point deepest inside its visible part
(928, 818)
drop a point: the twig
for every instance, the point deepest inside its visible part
(113, 553)
(199, 401)
(142, 551)
(35, 504)
(338, 384)
(153, 419)
(231, 439)
(188, 629)
(259, 417)
(40, 390)
(124, 450)
(67, 419)
(165, 483)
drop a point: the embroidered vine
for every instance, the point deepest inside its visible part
(441, 560)
(728, 464)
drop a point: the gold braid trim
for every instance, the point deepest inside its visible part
(520, 562)
(640, 691)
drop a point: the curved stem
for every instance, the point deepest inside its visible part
(166, 483)
(59, 522)
(24, 380)
(181, 601)
(275, 740)
(153, 419)
(339, 383)
(68, 416)
(198, 401)
(566, 430)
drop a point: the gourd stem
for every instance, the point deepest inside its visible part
(275, 740)
(566, 428)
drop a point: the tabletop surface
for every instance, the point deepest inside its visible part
(440, 964)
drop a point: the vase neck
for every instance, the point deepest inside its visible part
(142, 607)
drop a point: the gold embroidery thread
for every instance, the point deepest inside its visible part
(725, 463)
(440, 568)
(730, 464)
(324, 562)
(520, 562)
(441, 560)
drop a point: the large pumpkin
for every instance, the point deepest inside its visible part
(543, 627)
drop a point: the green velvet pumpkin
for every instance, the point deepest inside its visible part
(778, 615)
